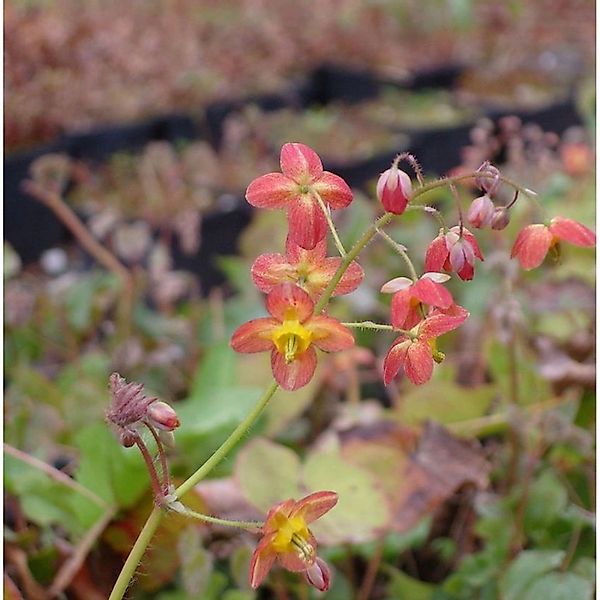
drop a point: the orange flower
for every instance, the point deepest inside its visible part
(312, 270)
(291, 333)
(534, 241)
(287, 539)
(295, 189)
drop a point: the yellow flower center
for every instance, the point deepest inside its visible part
(291, 339)
(293, 535)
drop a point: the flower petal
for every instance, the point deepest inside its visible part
(436, 254)
(318, 575)
(296, 253)
(395, 359)
(288, 301)
(272, 190)
(329, 334)
(275, 514)
(315, 505)
(469, 237)
(333, 190)
(400, 307)
(396, 285)
(351, 279)
(262, 560)
(432, 293)
(572, 231)
(294, 375)
(437, 277)
(307, 223)
(269, 270)
(440, 323)
(532, 245)
(419, 363)
(254, 336)
(300, 163)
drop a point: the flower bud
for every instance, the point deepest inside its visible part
(318, 575)
(500, 218)
(162, 416)
(491, 182)
(480, 212)
(393, 190)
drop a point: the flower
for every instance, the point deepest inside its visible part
(295, 188)
(309, 269)
(291, 333)
(534, 241)
(393, 190)
(287, 538)
(454, 251)
(417, 352)
(409, 295)
(480, 212)
(489, 180)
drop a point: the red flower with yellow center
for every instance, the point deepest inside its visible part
(291, 333)
(287, 539)
(312, 270)
(534, 241)
(302, 177)
(418, 351)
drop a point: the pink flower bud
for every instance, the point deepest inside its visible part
(318, 575)
(500, 218)
(491, 183)
(481, 212)
(162, 416)
(393, 190)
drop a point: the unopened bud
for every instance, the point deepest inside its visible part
(162, 416)
(127, 439)
(393, 190)
(318, 575)
(480, 212)
(489, 182)
(500, 218)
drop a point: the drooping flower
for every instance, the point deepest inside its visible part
(418, 351)
(454, 252)
(288, 540)
(295, 188)
(534, 241)
(409, 295)
(481, 212)
(393, 190)
(312, 270)
(291, 333)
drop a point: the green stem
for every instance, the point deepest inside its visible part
(136, 554)
(228, 444)
(401, 250)
(334, 233)
(216, 521)
(369, 325)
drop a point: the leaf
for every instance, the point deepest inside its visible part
(196, 562)
(239, 566)
(362, 510)
(267, 473)
(547, 501)
(560, 586)
(445, 402)
(527, 567)
(403, 586)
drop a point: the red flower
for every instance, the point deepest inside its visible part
(481, 212)
(291, 333)
(533, 242)
(287, 538)
(294, 188)
(409, 295)
(393, 190)
(417, 352)
(452, 252)
(312, 270)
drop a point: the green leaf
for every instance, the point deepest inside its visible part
(362, 511)
(267, 473)
(527, 567)
(402, 586)
(547, 501)
(560, 586)
(196, 562)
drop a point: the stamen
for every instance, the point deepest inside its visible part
(291, 348)
(306, 551)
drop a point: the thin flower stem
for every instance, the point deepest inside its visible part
(334, 233)
(430, 210)
(251, 525)
(413, 162)
(157, 489)
(164, 467)
(369, 325)
(401, 250)
(229, 443)
(461, 221)
(136, 554)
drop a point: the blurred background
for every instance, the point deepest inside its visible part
(145, 121)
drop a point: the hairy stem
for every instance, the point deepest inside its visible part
(251, 525)
(369, 325)
(401, 250)
(334, 233)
